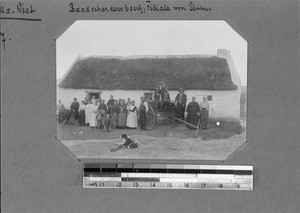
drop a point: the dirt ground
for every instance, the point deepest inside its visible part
(163, 142)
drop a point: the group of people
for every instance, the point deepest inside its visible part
(111, 115)
(197, 114)
(124, 114)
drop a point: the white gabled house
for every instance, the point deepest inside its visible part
(214, 76)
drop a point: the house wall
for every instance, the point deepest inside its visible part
(225, 105)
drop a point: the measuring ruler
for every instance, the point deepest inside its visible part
(167, 176)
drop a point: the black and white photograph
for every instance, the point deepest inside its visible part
(151, 89)
(150, 106)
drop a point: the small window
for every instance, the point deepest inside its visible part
(93, 94)
(209, 97)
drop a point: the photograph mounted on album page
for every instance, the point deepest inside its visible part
(151, 89)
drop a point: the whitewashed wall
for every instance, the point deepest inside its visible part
(225, 105)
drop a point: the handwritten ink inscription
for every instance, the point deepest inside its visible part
(20, 8)
(141, 8)
(4, 40)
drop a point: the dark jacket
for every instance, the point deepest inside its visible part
(184, 98)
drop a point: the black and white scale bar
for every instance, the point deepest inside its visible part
(160, 177)
(190, 169)
(168, 176)
(168, 185)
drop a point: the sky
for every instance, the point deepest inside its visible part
(128, 38)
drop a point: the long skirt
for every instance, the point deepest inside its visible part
(81, 117)
(114, 121)
(93, 120)
(122, 120)
(132, 120)
(192, 118)
(87, 116)
(204, 118)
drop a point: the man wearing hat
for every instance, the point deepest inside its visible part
(110, 103)
(165, 99)
(180, 101)
(161, 87)
(143, 110)
(157, 99)
(75, 108)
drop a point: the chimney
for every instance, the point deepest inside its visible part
(224, 53)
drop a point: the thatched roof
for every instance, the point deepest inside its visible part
(192, 72)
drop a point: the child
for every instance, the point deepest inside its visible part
(101, 118)
(127, 143)
(107, 123)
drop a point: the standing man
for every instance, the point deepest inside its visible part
(75, 108)
(165, 98)
(157, 99)
(102, 107)
(110, 103)
(204, 108)
(161, 87)
(180, 101)
(143, 110)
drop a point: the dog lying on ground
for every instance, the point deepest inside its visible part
(127, 143)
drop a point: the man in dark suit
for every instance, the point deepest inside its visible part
(143, 109)
(157, 99)
(180, 101)
(75, 108)
(165, 99)
(110, 103)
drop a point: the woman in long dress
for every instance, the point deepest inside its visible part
(193, 110)
(88, 110)
(204, 107)
(132, 116)
(122, 115)
(93, 115)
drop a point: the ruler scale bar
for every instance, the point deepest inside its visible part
(169, 166)
(167, 176)
(186, 171)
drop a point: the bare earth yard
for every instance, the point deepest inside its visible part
(163, 142)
